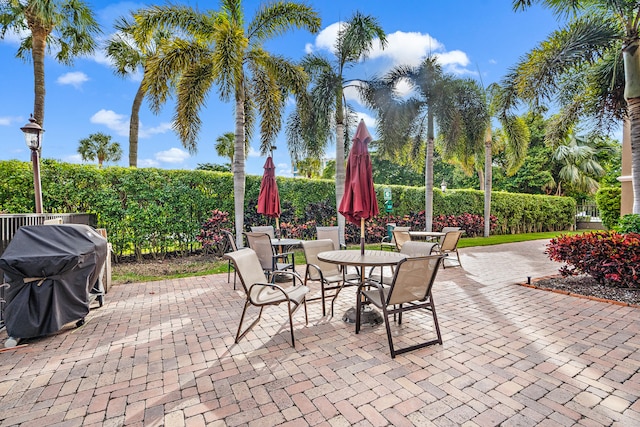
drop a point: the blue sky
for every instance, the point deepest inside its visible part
(472, 38)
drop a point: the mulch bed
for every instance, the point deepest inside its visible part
(586, 287)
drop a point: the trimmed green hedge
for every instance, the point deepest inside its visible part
(156, 210)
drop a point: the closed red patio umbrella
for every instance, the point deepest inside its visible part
(269, 199)
(359, 200)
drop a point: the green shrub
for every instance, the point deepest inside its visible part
(155, 211)
(608, 200)
(629, 224)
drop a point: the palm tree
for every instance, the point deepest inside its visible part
(580, 166)
(128, 57)
(514, 137)
(220, 49)
(584, 63)
(66, 27)
(408, 120)
(225, 146)
(99, 146)
(323, 109)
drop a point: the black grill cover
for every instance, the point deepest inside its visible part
(51, 270)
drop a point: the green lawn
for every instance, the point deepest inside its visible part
(131, 275)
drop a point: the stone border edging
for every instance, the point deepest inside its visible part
(559, 291)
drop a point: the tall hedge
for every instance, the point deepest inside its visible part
(608, 201)
(157, 210)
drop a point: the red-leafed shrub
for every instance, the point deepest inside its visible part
(609, 257)
(210, 232)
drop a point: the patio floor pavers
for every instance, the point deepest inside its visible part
(162, 353)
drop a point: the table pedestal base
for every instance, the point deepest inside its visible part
(369, 316)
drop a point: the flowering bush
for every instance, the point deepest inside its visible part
(609, 257)
(210, 236)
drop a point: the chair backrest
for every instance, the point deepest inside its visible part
(332, 233)
(261, 244)
(264, 229)
(247, 265)
(400, 237)
(402, 228)
(446, 230)
(231, 241)
(311, 250)
(450, 241)
(417, 249)
(413, 279)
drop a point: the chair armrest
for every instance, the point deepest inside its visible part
(284, 255)
(343, 246)
(386, 239)
(293, 274)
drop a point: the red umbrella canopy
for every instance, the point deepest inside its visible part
(359, 199)
(268, 199)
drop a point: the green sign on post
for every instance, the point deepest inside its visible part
(387, 194)
(388, 205)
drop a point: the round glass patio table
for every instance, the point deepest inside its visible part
(371, 259)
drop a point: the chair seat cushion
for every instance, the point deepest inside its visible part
(271, 295)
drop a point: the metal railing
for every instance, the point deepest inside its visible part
(588, 210)
(10, 223)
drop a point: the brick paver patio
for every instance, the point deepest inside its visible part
(163, 353)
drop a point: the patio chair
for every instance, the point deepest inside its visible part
(231, 244)
(264, 229)
(390, 243)
(400, 237)
(446, 230)
(260, 292)
(411, 249)
(410, 290)
(270, 259)
(330, 276)
(332, 233)
(449, 245)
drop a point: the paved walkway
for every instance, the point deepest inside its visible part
(162, 353)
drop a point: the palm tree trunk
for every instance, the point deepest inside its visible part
(634, 124)
(238, 167)
(39, 40)
(487, 181)
(428, 175)
(631, 57)
(340, 166)
(134, 125)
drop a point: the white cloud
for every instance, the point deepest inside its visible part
(73, 158)
(253, 152)
(148, 163)
(325, 40)
(407, 48)
(112, 120)
(11, 120)
(172, 155)
(12, 37)
(74, 78)
(119, 123)
(370, 121)
(403, 48)
(144, 132)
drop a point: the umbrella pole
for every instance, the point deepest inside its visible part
(278, 227)
(361, 236)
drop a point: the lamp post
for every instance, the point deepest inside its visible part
(33, 138)
(443, 186)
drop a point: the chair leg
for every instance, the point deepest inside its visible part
(293, 340)
(435, 319)
(385, 315)
(255, 322)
